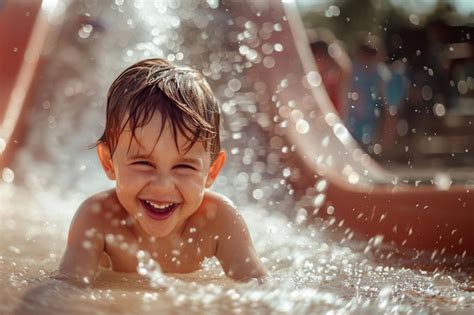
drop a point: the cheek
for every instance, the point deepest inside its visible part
(127, 179)
(194, 183)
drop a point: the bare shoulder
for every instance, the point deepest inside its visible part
(223, 213)
(96, 211)
(215, 200)
(96, 205)
(218, 207)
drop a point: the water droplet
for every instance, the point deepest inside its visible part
(442, 181)
(90, 232)
(301, 216)
(8, 175)
(257, 194)
(462, 87)
(384, 296)
(342, 133)
(85, 31)
(87, 245)
(426, 92)
(377, 148)
(414, 19)
(330, 210)
(234, 85)
(314, 79)
(353, 178)
(302, 126)
(321, 185)
(213, 4)
(268, 62)
(319, 200)
(14, 249)
(110, 238)
(378, 239)
(278, 47)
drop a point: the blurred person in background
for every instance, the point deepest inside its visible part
(396, 93)
(334, 65)
(366, 97)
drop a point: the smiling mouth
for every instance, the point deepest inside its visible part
(158, 211)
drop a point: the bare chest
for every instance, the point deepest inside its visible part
(184, 256)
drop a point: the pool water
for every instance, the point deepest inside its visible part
(55, 171)
(310, 273)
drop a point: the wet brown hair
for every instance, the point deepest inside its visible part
(180, 94)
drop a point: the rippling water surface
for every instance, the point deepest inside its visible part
(55, 171)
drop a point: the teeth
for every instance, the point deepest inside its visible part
(163, 206)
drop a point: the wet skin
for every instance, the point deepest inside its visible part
(160, 205)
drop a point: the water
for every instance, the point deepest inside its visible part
(55, 171)
(311, 274)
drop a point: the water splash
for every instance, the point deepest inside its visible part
(149, 268)
(310, 273)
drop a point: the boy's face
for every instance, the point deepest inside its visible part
(157, 184)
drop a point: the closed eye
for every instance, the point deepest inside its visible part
(185, 166)
(145, 163)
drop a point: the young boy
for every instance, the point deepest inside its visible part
(161, 145)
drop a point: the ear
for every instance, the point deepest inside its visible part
(215, 168)
(106, 160)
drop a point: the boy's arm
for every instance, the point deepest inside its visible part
(234, 248)
(85, 244)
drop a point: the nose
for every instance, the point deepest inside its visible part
(162, 182)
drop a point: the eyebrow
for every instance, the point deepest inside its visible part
(139, 155)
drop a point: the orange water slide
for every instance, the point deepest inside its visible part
(437, 220)
(24, 30)
(342, 183)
